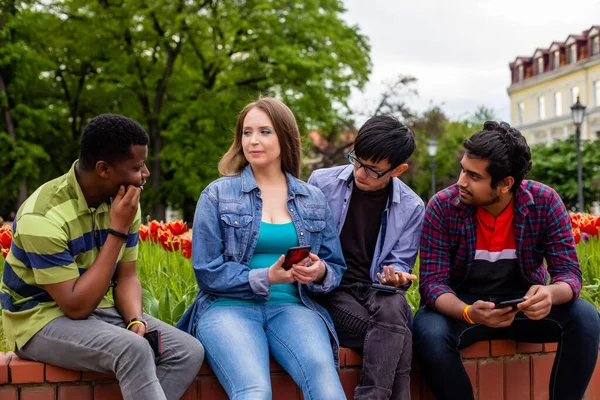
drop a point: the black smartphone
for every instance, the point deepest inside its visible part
(294, 255)
(154, 338)
(509, 303)
(386, 288)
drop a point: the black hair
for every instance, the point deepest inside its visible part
(505, 148)
(383, 137)
(109, 137)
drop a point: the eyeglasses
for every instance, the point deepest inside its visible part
(371, 173)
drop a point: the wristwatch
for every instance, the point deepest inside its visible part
(118, 234)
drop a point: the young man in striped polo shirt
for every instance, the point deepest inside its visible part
(74, 237)
(485, 240)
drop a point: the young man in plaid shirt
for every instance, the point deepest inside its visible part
(485, 240)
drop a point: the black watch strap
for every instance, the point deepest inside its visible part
(118, 234)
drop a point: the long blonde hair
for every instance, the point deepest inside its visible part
(286, 128)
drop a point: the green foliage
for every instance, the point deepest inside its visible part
(182, 69)
(450, 136)
(168, 282)
(556, 166)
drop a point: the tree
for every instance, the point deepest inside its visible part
(329, 148)
(556, 166)
(27, 121)
(184, 70)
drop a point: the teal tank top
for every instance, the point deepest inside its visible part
(273, 241)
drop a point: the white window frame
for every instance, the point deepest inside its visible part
(556, 59)
(521, 112)
(540, 65)
(573, 53)
(597, 93)
(558, 104)
(541, 101)
(574, 94)
(521, 72)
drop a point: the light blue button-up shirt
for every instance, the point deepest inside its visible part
(401, 221)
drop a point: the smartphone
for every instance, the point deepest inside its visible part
(386, 288)
(154, 338)
(509, 303)
(294, 255)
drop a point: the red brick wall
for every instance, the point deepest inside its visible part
(500, 369)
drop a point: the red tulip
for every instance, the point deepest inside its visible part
(143, 233)
(4, 252)
(5, 239)
(576, 235)
(177, 227)
(153, 227)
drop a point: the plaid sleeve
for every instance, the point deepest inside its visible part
(131, 246)
(560, 252)
(434, 269)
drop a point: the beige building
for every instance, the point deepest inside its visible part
(545, 85)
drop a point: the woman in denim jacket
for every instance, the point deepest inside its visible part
(249, 306)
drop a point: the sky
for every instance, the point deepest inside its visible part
(459, 50)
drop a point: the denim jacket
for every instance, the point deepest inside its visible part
(226, 229)
(401, 221)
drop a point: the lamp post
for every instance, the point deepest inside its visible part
(578, 112)
(432, 151)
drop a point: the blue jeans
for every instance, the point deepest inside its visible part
(574, 325)
(239, 339)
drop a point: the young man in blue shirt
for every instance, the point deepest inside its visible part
(379, 220)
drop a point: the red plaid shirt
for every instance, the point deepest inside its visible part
(542, 231)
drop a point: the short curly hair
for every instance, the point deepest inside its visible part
(109, 137)
(505, 148)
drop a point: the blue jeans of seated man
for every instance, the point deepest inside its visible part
(376, 324)
(239, 339)
(574, 325)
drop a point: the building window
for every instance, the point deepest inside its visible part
(556, 60)
(541, 107)
(520, 112)
(572, 53)
(595, 45)
(574, 94)
(597, 93)
(558, 104)
(540, 65)
(520, 73)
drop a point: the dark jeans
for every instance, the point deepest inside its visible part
(574, 325)
(374, 323)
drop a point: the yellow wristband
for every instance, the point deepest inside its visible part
(133, 323)
(466, 315)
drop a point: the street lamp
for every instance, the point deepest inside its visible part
(432, 151)
(578, 112)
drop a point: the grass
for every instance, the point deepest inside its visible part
(169, 285)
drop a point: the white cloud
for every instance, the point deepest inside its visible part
(460, 50)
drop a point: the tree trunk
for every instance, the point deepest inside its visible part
(10, 128)
(159, 210)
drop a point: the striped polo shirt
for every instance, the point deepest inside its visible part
(56, 237)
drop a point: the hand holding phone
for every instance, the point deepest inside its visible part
(294, 255)
(509, 303)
